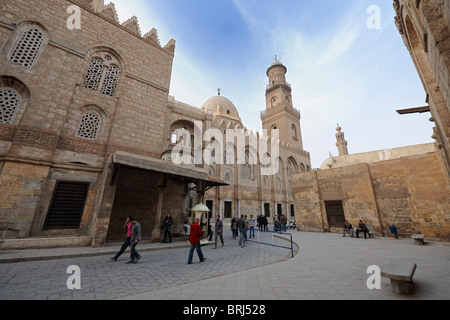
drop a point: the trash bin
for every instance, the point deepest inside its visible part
(393, 230)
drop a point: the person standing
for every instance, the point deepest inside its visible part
(234, 228)
(135, 238)
(241, 228)
(218, 229)
(194, 240)
(245, 227)
(251, 225)
(283, 223)
(167, 227)
(127, 241)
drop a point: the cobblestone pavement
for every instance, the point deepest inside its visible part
(327, 266)
(103, 279)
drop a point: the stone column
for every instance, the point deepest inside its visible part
(101, 215)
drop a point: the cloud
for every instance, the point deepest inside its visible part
(340, 70)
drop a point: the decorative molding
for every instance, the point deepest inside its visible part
(47, 139)
(35, 137)
(398, 17)
(79, 145)
(7, 132)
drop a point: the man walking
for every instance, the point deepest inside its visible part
(218, 231)
(194, 239)
(128, 225)
(135, 238)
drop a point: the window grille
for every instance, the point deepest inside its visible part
(28, 47)
(67, 205)
(102, 75)
(111, 80)
(9, 104)
(89, 126)
(335, 214)
(94, 74)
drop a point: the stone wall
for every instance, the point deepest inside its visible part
(410, 192)
(424, 27)
(41, 145)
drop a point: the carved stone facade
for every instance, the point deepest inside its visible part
(425, 29)
(86, 114)
(70, 100)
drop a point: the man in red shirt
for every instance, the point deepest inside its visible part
(194, 240)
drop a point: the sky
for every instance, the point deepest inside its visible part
(346, 62)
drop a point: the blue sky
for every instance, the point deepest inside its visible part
(340, 70)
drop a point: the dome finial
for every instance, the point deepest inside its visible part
(218, 91)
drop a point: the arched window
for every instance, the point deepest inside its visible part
(89, 126)
(278, 184)
(94, 74)
(28, 47)
(302, 168)
(111, 81)
(10, 101)
(103, 74)
(294, 132)
(227, 176)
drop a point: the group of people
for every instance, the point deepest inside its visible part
(239, 227)
(362, 227)
(196, 232)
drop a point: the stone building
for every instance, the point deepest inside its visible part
(82, 126)
(250, 192)
(87, 126)
(405, 187)
(409, 186)
(424, 26)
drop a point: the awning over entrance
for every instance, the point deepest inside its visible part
(184, 173)
(147, 189)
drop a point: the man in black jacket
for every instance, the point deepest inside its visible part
(167, 227)
(361, 227)
(218, 231)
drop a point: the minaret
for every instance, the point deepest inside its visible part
(279, 113)
(341, 143)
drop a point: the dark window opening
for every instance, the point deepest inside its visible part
(209, 204)
(228, 209)
(67, 205)
(267, 209)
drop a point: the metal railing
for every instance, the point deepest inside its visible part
(267, 238)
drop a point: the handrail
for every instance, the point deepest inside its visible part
(291, 247)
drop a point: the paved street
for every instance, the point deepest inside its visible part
(104, 279)
(327, 266)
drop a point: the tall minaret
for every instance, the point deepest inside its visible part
(341, 143)
(279, 113)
